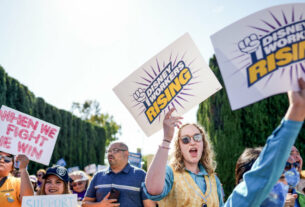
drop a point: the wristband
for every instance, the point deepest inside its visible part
(166, 140)
(164, 147)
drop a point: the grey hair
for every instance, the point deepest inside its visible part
(121, 144)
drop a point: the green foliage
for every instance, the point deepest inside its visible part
(232, 131)
(90, 111)
(79, 142)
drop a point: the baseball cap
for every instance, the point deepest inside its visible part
(59, 171)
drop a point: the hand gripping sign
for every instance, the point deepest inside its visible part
(262, 54)
(176, 77)
(24, 134)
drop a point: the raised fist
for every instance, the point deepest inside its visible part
(139, 95)
(249, 44)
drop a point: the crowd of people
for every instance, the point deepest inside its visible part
(267, 176)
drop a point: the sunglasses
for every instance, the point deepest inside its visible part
(6, 159)
(187, 139)
(78, 183)
(288, 165)
(39, 175)
(115, 150)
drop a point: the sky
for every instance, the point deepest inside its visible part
(69, 51)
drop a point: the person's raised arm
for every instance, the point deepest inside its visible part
(155, 176)
(26, 188)
(267, 169)
(296, 110)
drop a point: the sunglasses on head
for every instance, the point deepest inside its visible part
(77, 183)
(6, 159)
(288, 165)
(187, 139)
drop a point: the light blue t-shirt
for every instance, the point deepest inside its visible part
(267, 169)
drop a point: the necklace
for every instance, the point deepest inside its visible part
(204, 198)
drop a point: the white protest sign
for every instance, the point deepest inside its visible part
(262, 54)
(73, 169)
(176, 77)
(90, 169)
(101, 167)
(23, 134)
(65, 200)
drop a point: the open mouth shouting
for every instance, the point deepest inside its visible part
(193, 152)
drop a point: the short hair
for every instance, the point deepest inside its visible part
(245, 162)
(121, 144)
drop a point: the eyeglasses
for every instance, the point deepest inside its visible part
(6, 159)
(115, 150)
(288, 165)
(187, 139)
(77, 183)
(39, 175)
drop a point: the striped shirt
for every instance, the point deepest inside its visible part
(128, 182)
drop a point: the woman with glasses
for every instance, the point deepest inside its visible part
(190, 178)
(40, 174)
(12, 189)
(80, 182)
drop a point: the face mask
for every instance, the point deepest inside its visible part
(293, 177)
(276, 197)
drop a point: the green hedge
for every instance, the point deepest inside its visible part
(79, 142)
(232, 131)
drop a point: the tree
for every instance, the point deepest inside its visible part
(90, 111)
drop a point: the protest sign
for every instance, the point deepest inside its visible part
(61, 162)
(176, 77)
(262, 54)
(101, 167)
(64, 200)
(73, 169)
(23, 134)
(90, 169)
(135, 159)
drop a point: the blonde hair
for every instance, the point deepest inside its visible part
(207, 157)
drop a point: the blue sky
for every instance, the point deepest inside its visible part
(70, 50)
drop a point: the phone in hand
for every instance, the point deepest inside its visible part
(114, 194)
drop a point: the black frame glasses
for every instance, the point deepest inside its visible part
(6, 159)
(187, 139)
(115, 150)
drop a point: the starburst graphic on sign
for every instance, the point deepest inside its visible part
(264, 28)
(153, 71)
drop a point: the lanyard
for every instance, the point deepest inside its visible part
(3, 181)
(204, 198)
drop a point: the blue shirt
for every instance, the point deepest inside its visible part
(128, 182)
(267, 169)
(198, 178)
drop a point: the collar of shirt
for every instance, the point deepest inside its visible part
(202, 171)
(125, 169)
